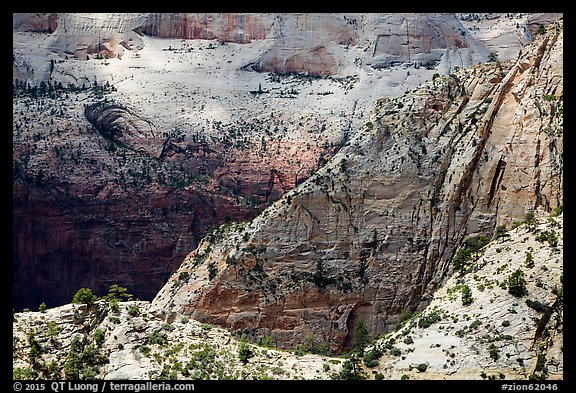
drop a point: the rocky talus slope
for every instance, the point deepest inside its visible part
(481, 324)
(372, 233)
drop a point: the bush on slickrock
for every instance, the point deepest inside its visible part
(84, 296)
(517, 284)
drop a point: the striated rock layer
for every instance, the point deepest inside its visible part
(119, 189)
(474, 328)
(372, 233)
(477, 327)
(318, 44)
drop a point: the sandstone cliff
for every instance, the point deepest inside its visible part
(373, 232)
(90, 211)
(117, 187)
(481, 324)
(311, 43)
(478, 326)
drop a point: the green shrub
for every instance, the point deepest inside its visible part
(475, 324)
(212, 271)
(556, 211)
(21, 373)
(467, 298)
(244, 351)
(145, 350)
(395, 351)
(115, 320)
(430, 318)
(42, 307)
(530, 221)
(157, 337)
(370, 359)
(422, 367)
(501, 232)
(98, 336)
(494, 352)
(314, 344)
(517, 284)
(464, 255)
(536, 305)
(549, 236)
(404, 316)
(134, 310)
(52, 329)
(529, 260)
(84, 296)
(541, 29)
(81, 361)
(184, 277)
(266, 342)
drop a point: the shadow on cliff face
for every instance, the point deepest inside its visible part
(373, 233)
(134, 238)
(119, 124)
(118, 201)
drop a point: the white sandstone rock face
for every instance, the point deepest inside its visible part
(370, 235)
(137, 344)
(495, 335)
(185, 90)
(498, 335)
(374, 230)
(505, 34)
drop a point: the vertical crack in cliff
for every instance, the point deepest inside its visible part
(496, 180)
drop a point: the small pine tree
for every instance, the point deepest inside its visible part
(467, 298)
(530, 221)
(244, 351)
(517, 283)
(116, 292)
(351, 369)
(42, 307)
(529, 260)
(84, 296)
(212, 271)
(500, 232)
(35, 348)
(361, 337)
(461, 259)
